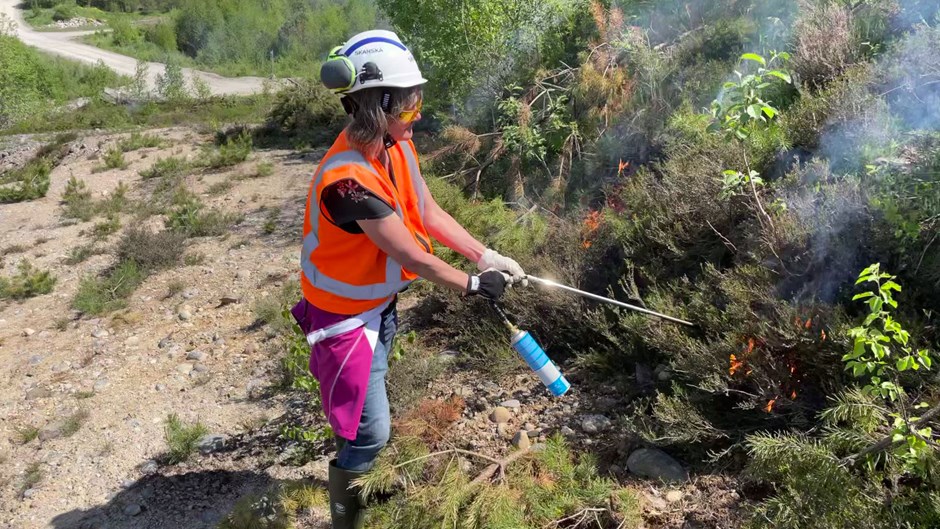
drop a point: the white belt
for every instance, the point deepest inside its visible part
(350, 324)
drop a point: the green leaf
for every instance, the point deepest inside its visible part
(754, 111)
(903, 364)
(770, 111)
(782, 75)
(863, 295)
(891, 285)
(754, 57)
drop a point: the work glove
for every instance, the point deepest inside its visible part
(491, 259)
(490, 284)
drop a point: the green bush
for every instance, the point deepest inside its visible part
(151, 251)
(306, 114)
(100, 295)
(234, 150)
(80, 254)
(181, 438)
(28, 282)
(106, 228)
(113, 159)
(65, 11)
(171, 167)
(123, 33)
(163, 34)
(193, 219)
(139, 141)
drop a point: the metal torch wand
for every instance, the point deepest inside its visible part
(550, 283)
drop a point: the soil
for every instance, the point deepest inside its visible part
(123, 374)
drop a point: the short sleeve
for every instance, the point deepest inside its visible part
(346, 201)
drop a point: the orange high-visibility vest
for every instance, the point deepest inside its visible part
(347, 273)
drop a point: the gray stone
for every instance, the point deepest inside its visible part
(200, 368)
(502, 430)
(148, 467)
(656, 464)
(28, 332)
(196, 355)
(500, 415)
(164, 343)
(566, 431)
(127, 483)
(101, 384)
(521, 440)
(34, 360)
(29, 493)
(99, 333)
(185, 368)
(62, 367)
(39, 392)
(674, 496)
(593, 424)
(159, 387)
(242, 274)
(132, 341)
(185, 315)
(211, 443)
(132, 509)
(512, 404)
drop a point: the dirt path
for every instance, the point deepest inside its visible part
(124, 373)
(63, 43)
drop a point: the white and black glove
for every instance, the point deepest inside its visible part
(493, 260)
(490, 284)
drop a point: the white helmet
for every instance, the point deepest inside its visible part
(370, 59)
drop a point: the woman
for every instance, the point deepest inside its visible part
(367, 235)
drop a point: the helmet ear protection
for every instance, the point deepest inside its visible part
(338, 73)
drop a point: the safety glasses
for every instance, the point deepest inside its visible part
(408, 116)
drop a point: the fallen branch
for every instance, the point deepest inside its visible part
(727, 242)
(887, 441)
(502, 464)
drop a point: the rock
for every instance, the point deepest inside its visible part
(250, 348)
(448, 356)
(185, 314)
(61, 367)
(34, 360)
(512, 404)
(656, 464)
(29, 493)
(616, 470)
(521, 440)
(127, 483)
(674, 496)
(196, 355)
(655, 502)
(148, 467)
(567, 432)
(242, 274)
(132, 509)
(502, 429)
(101, 384)
(200, 368)
(38, 392)
(500, 415)
(28, 332)
(211, 443)
(159, 387)
(226, 301)
(99, 333)
(644, 377)
(185, 368)
(164, 343)
(132, 341)
(593, 424)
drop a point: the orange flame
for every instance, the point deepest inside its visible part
(623, 165)
(586, 244)
(735, 365)
(793, 395)
(822, 334)
(750, 345)
(809, 323)
(770, 405)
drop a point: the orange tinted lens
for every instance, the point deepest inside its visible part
(410, 115)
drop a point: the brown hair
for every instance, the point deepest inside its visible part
(369, 123)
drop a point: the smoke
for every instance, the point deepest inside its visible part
(904, 103)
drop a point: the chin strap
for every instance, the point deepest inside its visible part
(389, 141)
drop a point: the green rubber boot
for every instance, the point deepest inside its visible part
(346, 507)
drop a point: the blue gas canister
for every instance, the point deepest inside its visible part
(539, 362)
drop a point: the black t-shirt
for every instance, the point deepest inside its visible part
(345, 202)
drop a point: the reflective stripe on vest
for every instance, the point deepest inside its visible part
(393, 282)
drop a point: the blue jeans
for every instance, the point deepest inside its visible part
(375, 426)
